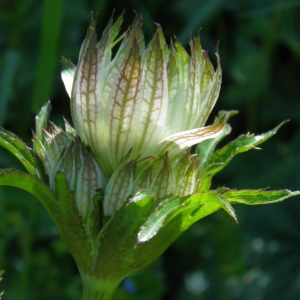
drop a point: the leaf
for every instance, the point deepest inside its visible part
(205, 176)
(188, 209)
(32, 185)
(157, 218)
(18, 148)
(201, 205)
(195, 207)
(255, 197)
(41, 121)
(144, 228)
(206, 148)
(119, 235)
(242, 144)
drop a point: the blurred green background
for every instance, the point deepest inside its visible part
(215, 259)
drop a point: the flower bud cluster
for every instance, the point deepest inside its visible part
(61, 151)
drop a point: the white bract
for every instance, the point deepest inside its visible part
(146, 100)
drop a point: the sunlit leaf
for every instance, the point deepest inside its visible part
(255, 197)
(19, 149)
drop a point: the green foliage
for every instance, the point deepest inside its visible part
(17, 147)
(215, 258)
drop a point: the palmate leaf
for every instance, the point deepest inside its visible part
(18, 148)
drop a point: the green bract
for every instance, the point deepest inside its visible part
(124, 184)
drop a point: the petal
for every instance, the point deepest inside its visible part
(178, 69)
(120, 97)
(119, 188)
(84, 93)
(108, 41)
(178, 142)
(64, 165)
(193, 97)
(146, 169)
(154, 96)
(189, 180)
(210, 85)
(87, 98)
(67, 75)
(57, 141)
(89, 179)
(41, 151)
(179, 170)
(162, 184)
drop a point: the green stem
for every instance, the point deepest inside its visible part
(3, 230)
(97, 289)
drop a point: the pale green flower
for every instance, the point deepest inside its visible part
(145, 99)
(142, 109)
(124, 184)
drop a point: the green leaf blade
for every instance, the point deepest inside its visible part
(206, 148)
(157, 218)
(41, 120)
(32, 185)
(242, 144)
(18, 148)
(256, 197)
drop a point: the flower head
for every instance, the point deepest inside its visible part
(146, 100)
(123, 185)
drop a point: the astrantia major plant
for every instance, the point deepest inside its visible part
(123, 184)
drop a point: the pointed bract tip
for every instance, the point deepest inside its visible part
(67, 64)
(113, 13)
(33, 134)
(176, 39)
(166, 156)
(93, 21)
(197, 37)
(217, 48)
(140, 17)
(111, 19)
(126, 156)
(131, 164)
(158, 31)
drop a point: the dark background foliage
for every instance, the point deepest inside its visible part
(215, 259)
